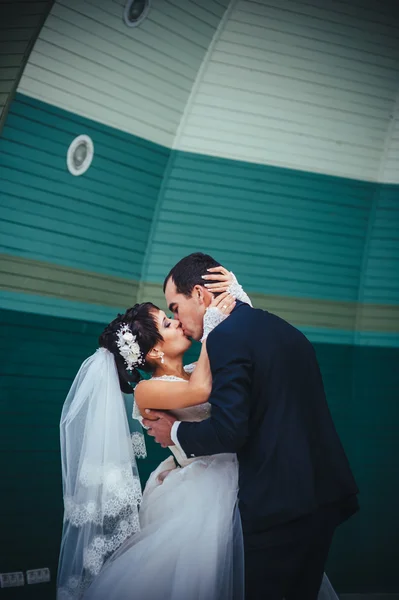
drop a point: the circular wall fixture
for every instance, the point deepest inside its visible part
(135, 12)
(80, 155)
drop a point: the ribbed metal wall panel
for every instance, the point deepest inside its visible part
(96, 224)
(308, 86)
(379, 284)
(286, 232)
(138, 79)
(390, 159)
(20, 24)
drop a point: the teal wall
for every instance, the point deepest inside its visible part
(380, 272)
(97, 222)
(287, 232)
(39, 358)
(362, 385)
(320, 250)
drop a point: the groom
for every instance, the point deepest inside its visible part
(269, 407)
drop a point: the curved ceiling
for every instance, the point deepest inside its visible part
(305, 86)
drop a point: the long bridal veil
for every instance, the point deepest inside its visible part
(101, 483)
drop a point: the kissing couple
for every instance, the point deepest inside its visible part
(247, 504)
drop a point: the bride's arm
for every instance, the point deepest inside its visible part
(170, 395)
(222, 280)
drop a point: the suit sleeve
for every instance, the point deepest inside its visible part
(227, 428)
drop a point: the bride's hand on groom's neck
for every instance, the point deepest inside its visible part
(224, 302)
(219, 280)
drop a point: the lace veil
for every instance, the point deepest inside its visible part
(101, 483)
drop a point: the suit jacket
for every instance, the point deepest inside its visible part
(269, 407)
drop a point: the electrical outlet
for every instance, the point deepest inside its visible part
(8, 580)
(38, 576)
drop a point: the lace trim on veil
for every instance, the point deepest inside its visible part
(105, 545)
(123, 492)
(102, 490)
(138, 443)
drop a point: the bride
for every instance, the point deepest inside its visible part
(181, 539)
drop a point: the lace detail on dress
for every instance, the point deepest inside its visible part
(236, 290)
(212, 318)
(138, 444)
(136, 413)
(169, 378)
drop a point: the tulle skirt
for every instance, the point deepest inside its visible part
(190, 545)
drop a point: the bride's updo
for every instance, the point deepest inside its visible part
(142, 324)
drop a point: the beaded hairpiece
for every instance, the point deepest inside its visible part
(128, 347)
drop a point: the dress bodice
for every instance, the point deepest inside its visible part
(191, 414)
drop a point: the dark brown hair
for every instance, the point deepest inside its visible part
(142, 323)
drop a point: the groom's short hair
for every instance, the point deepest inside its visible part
(188, 272)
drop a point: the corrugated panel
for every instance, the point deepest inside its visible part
(379, 290)
(287, 233)
(97, 222)
(20, 23)
(299, 85)
(135, 79)
(381, 282)
(390, 166)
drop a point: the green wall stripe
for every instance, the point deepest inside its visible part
(79, 294)
(57, 307)
(34, 277)
(321, 320)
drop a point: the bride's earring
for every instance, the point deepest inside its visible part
(162, 354)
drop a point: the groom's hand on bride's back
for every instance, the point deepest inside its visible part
(159, 425)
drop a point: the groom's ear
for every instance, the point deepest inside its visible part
(202, 295)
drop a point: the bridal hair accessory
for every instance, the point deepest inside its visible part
(128, 347)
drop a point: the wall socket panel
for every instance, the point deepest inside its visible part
(38, 576)
(8, 580)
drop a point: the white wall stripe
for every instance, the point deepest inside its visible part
(299, 85)
(135, 79)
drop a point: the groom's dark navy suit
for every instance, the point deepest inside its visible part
(295, 483)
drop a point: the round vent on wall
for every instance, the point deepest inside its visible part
(135, 12)
(80, 155)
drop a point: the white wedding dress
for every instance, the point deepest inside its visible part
(190, 542)
(189, 546)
